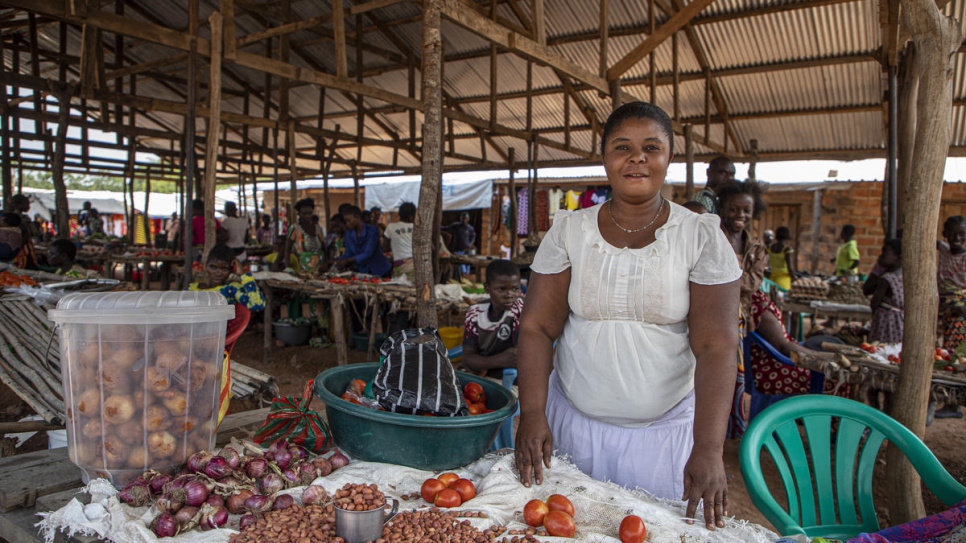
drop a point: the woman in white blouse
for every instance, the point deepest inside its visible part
(642, 378)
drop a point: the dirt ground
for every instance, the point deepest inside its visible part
(292, 366)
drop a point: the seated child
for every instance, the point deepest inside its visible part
(219, 277)
(11, 237)
(491, 328)
(60, 259)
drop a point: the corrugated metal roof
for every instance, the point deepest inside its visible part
(797, 77)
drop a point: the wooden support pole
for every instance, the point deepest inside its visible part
(908, 96)
(494, 110)
(356, 196)
(602, 61)
(539, 26)
(283, 56)
(651, 62)
(430, 186)
(892, 167)
(937, 38)
(215, 23)
(753, 161)
(534, 230)
(689, 161)
(338, 31)
(293, 170)
(6, 171)
(676, 73)
(816, 228)
(60, 149)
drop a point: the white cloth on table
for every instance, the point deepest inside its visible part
(624, 356)
(599, 506)
(625, 456)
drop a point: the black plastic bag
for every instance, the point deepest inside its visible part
(416, 376)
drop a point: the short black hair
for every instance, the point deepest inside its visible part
(220, 253)
(337, 218)
(12, 219)
(848, 230)
(638, 110)
(266, 218)
(18, 199)
(749, 187)
(895, 244)
(501, 268)
(782, 233)
(407, 211)
(351, 210)
(954, 221)
(304, 202)
(344, 207)
(66, 247)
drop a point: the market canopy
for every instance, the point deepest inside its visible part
(341, 83)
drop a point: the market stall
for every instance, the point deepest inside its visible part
(144, 260)
(337, 291)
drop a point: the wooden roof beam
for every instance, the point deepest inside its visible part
(283, 29)
(672, 25)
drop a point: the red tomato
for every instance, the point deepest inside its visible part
(559, 524)
(559, 502)
(473, 392)
(633, 530)
(448, 498)
(358, 386)
(465, 488)
(448, 478)
(430, 488)
(534, 512)
(475, 409)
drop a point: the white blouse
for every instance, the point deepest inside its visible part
(624, 356)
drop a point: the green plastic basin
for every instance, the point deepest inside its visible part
(429, 443)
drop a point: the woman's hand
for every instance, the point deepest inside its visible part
(705, 479)
(534, 447)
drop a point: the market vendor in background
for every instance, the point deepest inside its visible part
(636, 363)
(720, 170)
(95, 224)
(847, 258)
(781, 256)
(265, 235)
(26, 258)
(237, 228)
(198, 224)
(304, 245)
(951, 271)
(11, 237)
(335, 239)
(399, 240)
(491, 329)
(61, 257)
(363, 247)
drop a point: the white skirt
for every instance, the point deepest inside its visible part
(651, 458)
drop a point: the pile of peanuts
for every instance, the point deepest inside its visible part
(295, 524)
(437, 526)
(359, 497)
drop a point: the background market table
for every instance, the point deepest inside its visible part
(164, 267)
(46, 480)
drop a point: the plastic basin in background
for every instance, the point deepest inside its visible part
(292, 334)
(429, 443)
(361, 341)
(452, 337)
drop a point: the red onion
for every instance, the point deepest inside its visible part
(338, 460)
(215, 500)
(298, 452)
(216, 517)
(283, 501)
(291, 478)
(168, 503)
(283, 457)
(259, 503)
(195, 493)
(135, 494)
(218, 468)
(307, 473)
(173, 484)
(196, 463)
(323, 466)
(256, 468)
(271, 483)
(246, 520)
(157, 483)
(185, 516)
(165, 525)
(314, 495)
(276, 445)
(231, 455)
(236, 502)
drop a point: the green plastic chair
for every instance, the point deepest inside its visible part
(829, 485)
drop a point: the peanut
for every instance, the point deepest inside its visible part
(359, 497)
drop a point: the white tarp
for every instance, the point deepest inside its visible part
(456, 195)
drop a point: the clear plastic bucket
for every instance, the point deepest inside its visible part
(141, 375)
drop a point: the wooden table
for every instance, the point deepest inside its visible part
(794, 310)
(477, 262)
(165, 262)
(46, 480)
(337, 296)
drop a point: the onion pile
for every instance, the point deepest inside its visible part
(209, 486)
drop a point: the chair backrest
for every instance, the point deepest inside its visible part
(236, 326)
(828, 485)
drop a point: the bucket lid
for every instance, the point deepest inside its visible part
(142, 307)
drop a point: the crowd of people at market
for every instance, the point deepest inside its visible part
(619, 368)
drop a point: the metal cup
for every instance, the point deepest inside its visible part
(362, 526)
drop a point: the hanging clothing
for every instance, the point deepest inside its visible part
(587, 198)
(556, 197)
(523, 215)
(572, 200)
(543, 211)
